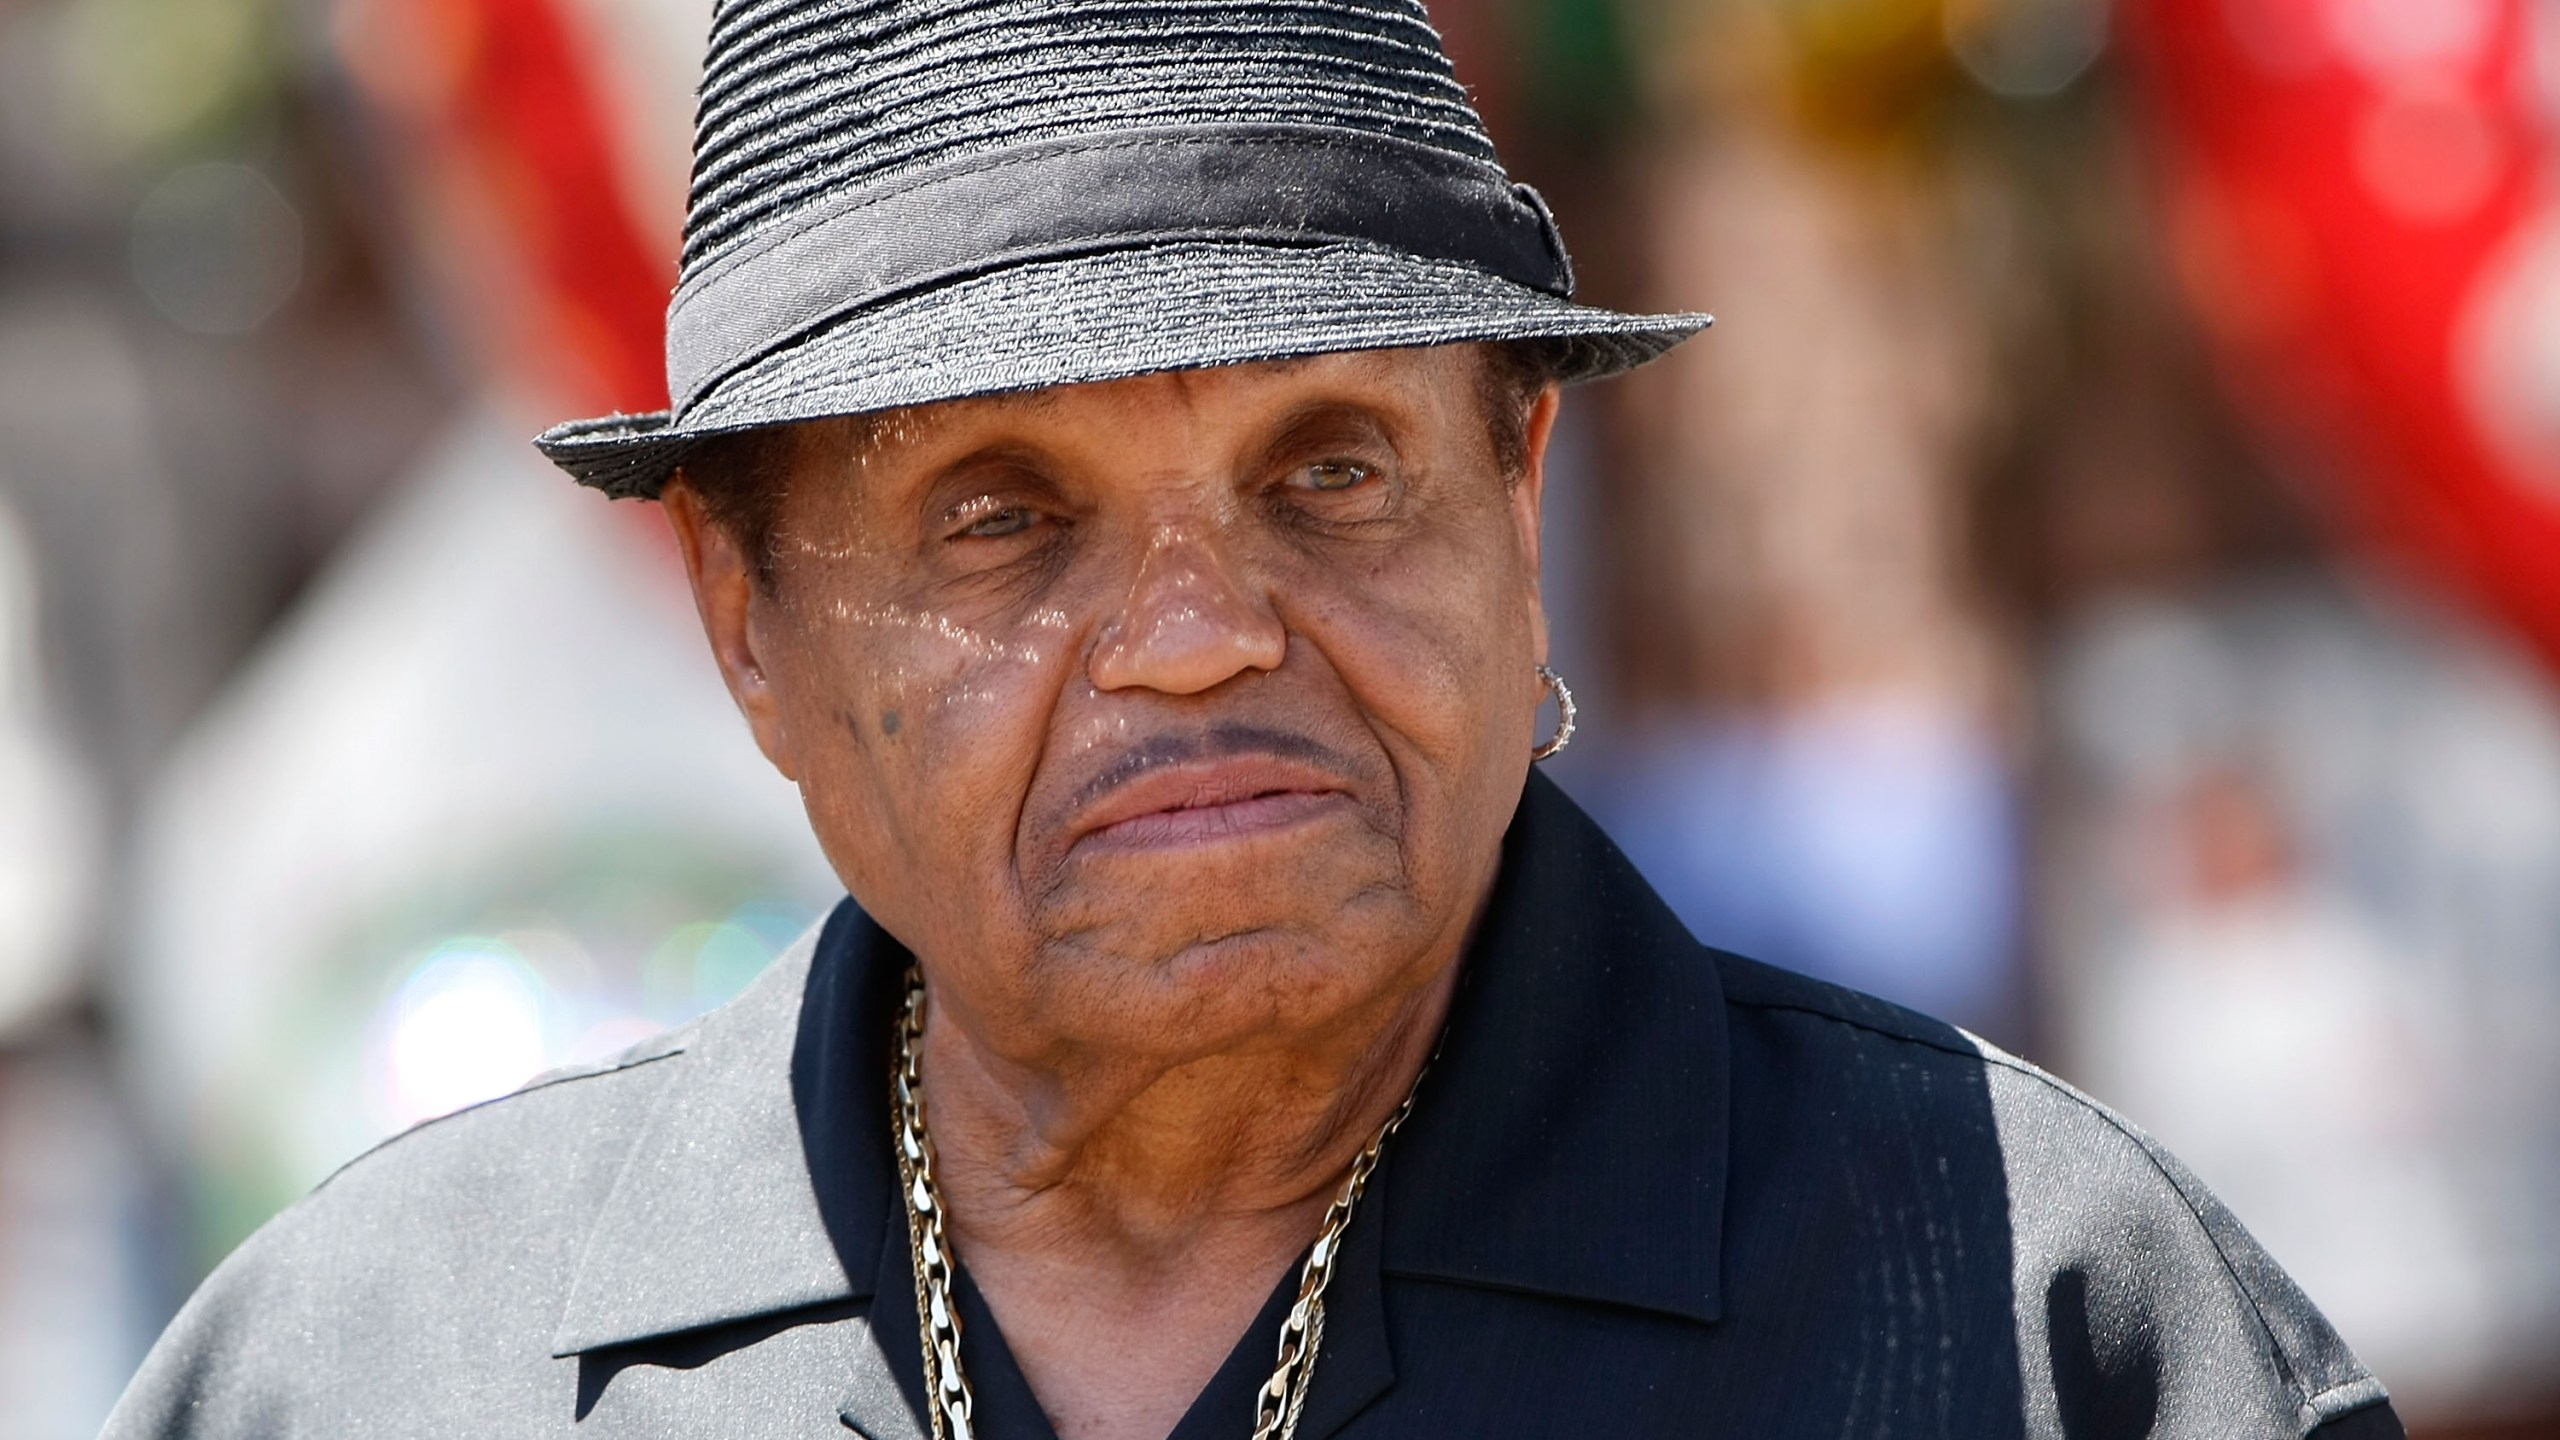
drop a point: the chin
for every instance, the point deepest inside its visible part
(1148, 976)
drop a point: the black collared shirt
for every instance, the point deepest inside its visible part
(1648, 1190)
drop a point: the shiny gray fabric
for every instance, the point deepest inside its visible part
(802, 99)
(1192, 168)
(1648, 1190)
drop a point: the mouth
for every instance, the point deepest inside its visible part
(1209, 802)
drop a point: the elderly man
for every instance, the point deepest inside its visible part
(1108, 452)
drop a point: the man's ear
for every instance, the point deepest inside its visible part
(1528, 505)
(736, 616)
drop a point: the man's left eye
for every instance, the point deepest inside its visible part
(995, 524)
(1334, 475)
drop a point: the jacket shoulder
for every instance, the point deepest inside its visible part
(445, 1250)
(2117, 1236)
(515, 1159)
(2132, 1284)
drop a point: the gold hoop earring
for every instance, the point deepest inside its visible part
(1564, 716)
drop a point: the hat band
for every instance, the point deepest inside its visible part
(1278, 185)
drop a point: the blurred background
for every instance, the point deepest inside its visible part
(2099, 581)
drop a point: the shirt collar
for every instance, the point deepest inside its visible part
(1570, 1140)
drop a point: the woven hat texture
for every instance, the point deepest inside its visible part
(897, 202)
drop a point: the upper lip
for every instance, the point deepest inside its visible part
(1201, 783)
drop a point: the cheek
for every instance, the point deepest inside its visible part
(1434, 639)
(917, 736)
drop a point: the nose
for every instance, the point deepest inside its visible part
(1191, 622)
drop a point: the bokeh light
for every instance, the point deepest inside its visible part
(218, 248)
(466, 1026)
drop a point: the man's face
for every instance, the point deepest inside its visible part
(1160, 713)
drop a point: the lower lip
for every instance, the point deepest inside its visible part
(1209, 824)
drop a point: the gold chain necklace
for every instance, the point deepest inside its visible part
(948, 1402)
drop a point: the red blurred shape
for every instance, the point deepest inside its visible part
(503, 137)
(2358, 203)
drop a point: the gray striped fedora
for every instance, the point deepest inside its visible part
(902, 201)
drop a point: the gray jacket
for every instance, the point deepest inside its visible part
(1649, 1190)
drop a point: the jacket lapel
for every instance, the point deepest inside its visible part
(713, 1218)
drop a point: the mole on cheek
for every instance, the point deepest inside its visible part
(852, 723)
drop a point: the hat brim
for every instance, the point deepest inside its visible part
(1110, 316)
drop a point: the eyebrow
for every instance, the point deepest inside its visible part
(944, 488)
(1323, 421)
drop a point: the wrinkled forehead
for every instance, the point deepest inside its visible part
(1240, 395)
